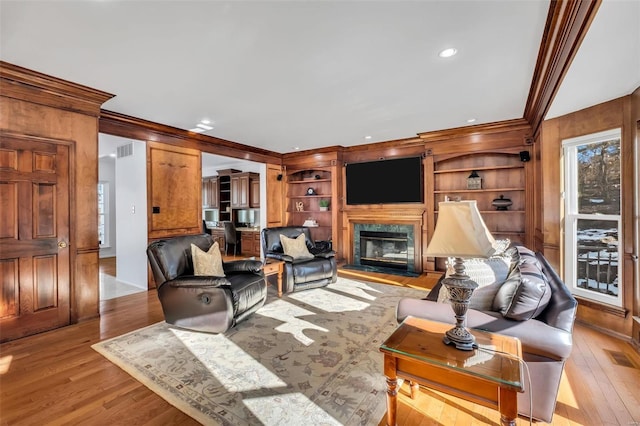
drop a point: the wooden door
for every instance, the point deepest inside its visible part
(173, 190)
(34, 237)
(254, 193)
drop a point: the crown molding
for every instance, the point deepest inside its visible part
(27, 85)
(122, 125)
(566, 26)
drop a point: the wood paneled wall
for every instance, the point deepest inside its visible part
(33, 104)
(174, 193)
(549, 217)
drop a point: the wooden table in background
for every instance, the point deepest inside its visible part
(415, 352)
(274, 266)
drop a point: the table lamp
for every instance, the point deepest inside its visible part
(460, 233)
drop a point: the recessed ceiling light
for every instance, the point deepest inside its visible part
(367, 137)
(204, 126)
(471, 120)
(196, 130)
(297, 148)
(447, 53)
(205, 121)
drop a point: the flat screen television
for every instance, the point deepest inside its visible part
(397, 180)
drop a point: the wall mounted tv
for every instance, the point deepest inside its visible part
(397, 180)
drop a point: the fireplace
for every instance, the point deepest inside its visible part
(384, 247)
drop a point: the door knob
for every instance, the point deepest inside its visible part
(62, 244)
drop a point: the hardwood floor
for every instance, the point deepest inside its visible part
(56, 378)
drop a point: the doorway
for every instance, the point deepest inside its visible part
(122, 216)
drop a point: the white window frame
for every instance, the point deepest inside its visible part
(105, 198)
(572, 216)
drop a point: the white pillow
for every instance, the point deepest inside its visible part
(207, 263)
(295, 247)
(488, 273)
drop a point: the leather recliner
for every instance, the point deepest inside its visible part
(300, 274)
(204, 303)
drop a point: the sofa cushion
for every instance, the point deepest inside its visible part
(489, 274)
(207, 263)
(537, 338)
(295, 247)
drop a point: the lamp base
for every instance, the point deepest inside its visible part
(460, 338)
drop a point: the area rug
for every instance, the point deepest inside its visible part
(306, 358)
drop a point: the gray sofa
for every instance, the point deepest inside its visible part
(541, 316)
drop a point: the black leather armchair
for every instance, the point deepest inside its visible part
(300, 274)
(202, 303)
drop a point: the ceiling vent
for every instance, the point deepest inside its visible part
(125, 150)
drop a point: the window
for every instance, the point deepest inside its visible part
(592, 226)
(103, 214)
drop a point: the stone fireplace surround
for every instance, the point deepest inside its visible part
(407, 220)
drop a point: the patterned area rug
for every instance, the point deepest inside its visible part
(306, 358)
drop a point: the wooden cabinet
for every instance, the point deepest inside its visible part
(306, 190)
(254, 192)
(210, 196)
(503, 174)
(218, 236)
(241, 190)
(250, 243)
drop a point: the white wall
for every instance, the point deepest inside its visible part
(131, 216)
(107, 173)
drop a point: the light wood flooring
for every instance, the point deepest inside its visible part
(56, 378)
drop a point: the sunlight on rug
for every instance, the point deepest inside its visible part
(310, 356)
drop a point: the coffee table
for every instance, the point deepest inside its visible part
(484, 376)
(271, 267)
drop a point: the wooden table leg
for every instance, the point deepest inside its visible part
(415, 388)
(392, 389)
(508, 406)
(280, 268)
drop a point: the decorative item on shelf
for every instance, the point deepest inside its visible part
(501, 203)
(311, 191)
(460, 233)
(324, 205)
(310, 223)
(318, 177)
(299, 206)
(474, 181)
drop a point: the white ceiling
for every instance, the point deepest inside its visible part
(285, 74)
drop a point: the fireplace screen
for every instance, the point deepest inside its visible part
(386, 249)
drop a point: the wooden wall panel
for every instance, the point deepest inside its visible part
(605, 116)
(9, 292)
(9, 211)
(174, 177)
(37, 105)
(275, 195)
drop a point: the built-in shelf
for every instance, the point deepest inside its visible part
(452, 191)
(298, 182)
(478, 168)
(308, 181)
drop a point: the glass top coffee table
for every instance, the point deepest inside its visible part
(490, 375)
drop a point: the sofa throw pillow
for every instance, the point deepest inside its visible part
(295, 247)
(207, 263)
(524, 295)
(488, 273)
(531, 296)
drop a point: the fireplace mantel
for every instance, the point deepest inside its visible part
(410, 216)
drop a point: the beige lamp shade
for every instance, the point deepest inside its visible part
(460, 232)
